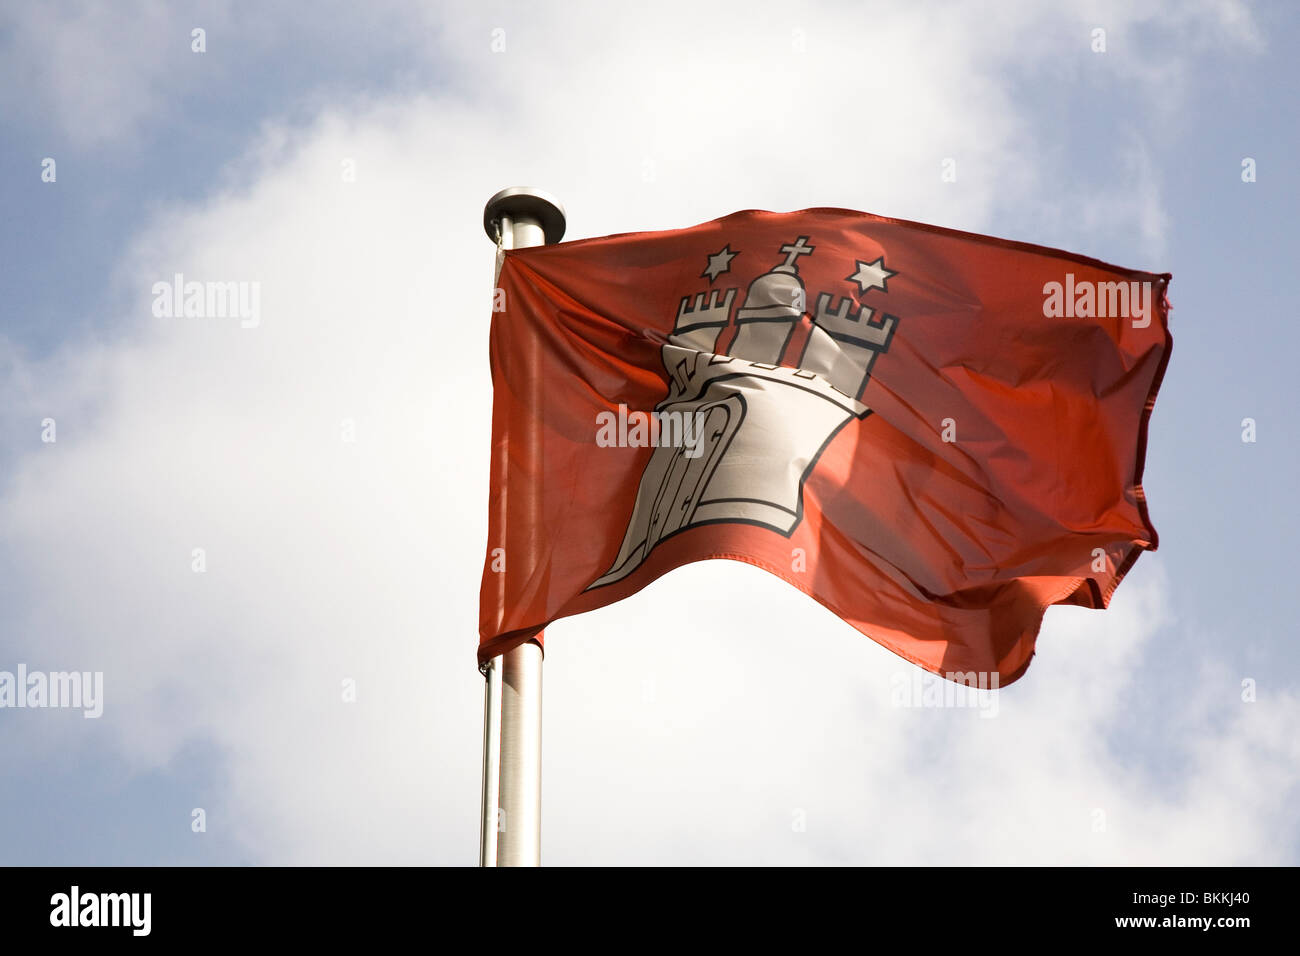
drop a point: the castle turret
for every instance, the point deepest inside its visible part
(773, 306)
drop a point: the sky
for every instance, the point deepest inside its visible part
(302, 689)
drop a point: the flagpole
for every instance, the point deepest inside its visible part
(511, 824)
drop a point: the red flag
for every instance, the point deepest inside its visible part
(935, 434)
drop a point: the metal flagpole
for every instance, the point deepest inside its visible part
(511, 833)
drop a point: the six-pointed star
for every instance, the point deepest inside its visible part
(872, 275)
(719, 263)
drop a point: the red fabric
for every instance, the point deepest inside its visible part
(947, 552)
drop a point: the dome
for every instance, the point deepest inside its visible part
(773, 295)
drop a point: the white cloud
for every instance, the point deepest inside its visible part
(329, 560)
(702, 742)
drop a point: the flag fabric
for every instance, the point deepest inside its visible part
(935, 434)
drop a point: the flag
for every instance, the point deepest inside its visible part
(935, 434)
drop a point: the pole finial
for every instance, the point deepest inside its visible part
(525, 202)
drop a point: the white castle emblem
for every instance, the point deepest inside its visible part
(761, 425)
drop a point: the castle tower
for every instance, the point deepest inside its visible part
(774, 304)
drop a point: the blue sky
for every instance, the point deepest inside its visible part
(332, 561)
